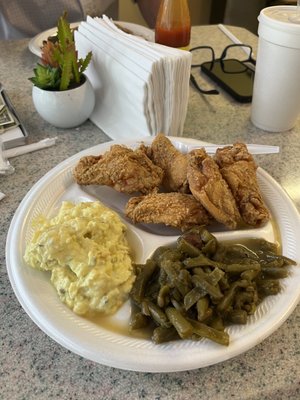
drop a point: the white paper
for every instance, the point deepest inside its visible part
(141, 87)
(17, 151)
(115, 112)
(5, 167)
(11, 134)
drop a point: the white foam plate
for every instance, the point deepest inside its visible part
(103, 343)
(36, 42)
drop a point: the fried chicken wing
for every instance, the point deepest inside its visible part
(174, 209)
(238, 168)
(208, 187)
(124, 169)
(173, 163)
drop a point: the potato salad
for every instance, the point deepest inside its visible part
(86, 251)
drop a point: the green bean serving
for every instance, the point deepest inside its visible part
(196, 288)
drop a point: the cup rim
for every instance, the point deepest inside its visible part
(265, 17)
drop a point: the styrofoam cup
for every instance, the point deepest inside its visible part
(276, 91)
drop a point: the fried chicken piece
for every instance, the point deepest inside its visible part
(124, 169)
(208, 186)
(173, 163)
(238, 168)
(174, 209)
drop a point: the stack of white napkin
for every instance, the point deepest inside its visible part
(141, 87)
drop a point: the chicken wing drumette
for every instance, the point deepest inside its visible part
(172, 162)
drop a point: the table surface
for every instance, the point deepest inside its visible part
(33, 366)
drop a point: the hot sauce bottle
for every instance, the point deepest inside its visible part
(173, 24)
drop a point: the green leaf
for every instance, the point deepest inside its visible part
(66, 72)
(83, 64)
(46, 77)
(64, 33)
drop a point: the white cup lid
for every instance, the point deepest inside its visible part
(276, 26)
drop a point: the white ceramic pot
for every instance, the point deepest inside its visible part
(67, 108)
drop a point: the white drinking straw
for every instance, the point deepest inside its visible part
(233, 38)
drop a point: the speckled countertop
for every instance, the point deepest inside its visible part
(33, 366)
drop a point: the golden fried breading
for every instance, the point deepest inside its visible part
(174, 209)
(238, 168)
(208, 187)
(173, 163)
(124, 169)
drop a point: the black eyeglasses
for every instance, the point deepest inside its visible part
(226, 56)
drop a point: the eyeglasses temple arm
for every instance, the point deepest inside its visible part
(194, 82)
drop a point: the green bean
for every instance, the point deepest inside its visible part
(138, 290)
(172, 269)
(161, 334)
(250, 308)
(211, 277)
(210, 248)
(276, 263)
(208, 332)
(268, 287)
(273, 272)
(263, 245)
(234, 253)
(138, 320)
(288, 261)
(206, 236)
(224, 283)
(152, 287)
(216, 322)
(181, 324)
(228, 298)
(243, 298)
(201, 260)
(250, 274)
(237, 317)
(163, 277)
(177, 304)
(158, 315)
(269, 257)
(176, 295)
(190, 291)
(199, 234)
(187, 248)
(203, 309)
(191, 298)
(145, 308)
(183, 282)
(159, 252)
(171, 254)
(199, 271)
(213, 291)
(239, 268)
(163, 296)
(215, 276)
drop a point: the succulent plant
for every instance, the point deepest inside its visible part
(60, 68)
